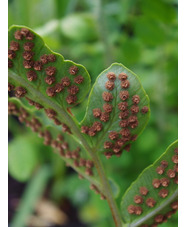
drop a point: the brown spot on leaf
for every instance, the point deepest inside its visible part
(122, 76)
(97, 126)
(134, 109)
(73, 90)
(10, 87)
(156, 183)
(136, 99)
(131, 209)
(124, 95)
(175, 159)
(107, 107)
(27, 55)
(73, 70)
(96, 112)
(31, 75)
(38, 65)
(109, 85)
(164, 182)
(84, 129)
(111, 76)
(138, 210)
(163, 193)
(108, 154)
(108, 145)
(51, 58)
(138, 199)
(145, 109)
(78, 79)
(164, 164)
(160, 170)
(28, 46)
(58, 87)
(107, 97)
(122, 106)
(50, 80)
(50, 113)
(174, 205)
(14, 45)
(176, 150)
(124, 114)
(50, 70)
(18, 35)
(125, 132)
(50, 91)
(11, 54)
(150, 202)
(71, 99)
(10, 63)
(125, 84)
(28, 64)
(20, 92)
(171, 173)
(143, 191)
(159, 218)
(91, 131)
(104, 117)
(65, 81)
(123, 123)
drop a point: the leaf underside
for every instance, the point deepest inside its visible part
(163, 190)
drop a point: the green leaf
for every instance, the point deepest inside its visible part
(112, 121)
(36, 89)
(164, 194)
(23, 157)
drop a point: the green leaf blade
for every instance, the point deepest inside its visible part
(96, 101)
(145, 179)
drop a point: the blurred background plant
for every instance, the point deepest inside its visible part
(142, 35)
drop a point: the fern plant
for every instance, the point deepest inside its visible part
(45, 90)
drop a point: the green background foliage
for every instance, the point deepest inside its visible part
(142, 35)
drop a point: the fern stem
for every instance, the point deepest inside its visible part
(63, 115)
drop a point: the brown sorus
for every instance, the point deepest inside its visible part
(38, 106)
(164, 164)
(175, 159)
(78, 79)
(150, 202)
(138, 210)
(51, 58)
(123, 123)
(134, 125)
(65, 128)
(122, 76)
(50, 70)
(159, 218)
(116, 148)
(107, 108)
(174, 205)
(18, 35)
(176, 168)
(89, 164)
(27, 55)
(160, 170)
(108, 145)
(125, 84)
(88, 172)
(169, 214)
(136, 99)
(145, 109)
(125, 132)
(28, 64)
(164, 182)
(127, 147)
(14, 45)
(75, 154)
(143, 191)
(65, 81)
(123, 114)
(50, 91)
(50, 80)
(108, 154)
(50, 113)
(44, 59)
(54, 144)
(38, 65)
(56, 121)
(91, 131)
(154, 225)
(60, 137)
(80, 177)
(120, 142)
(138, 199)
(163, 193)
(97, 126)
(11, 54)
(73, 70)
(122, 106)
(171, 173)
(84, 129)
(71, 99)
(68, 154)
(76, 163)
(31, 75)
(145, 225)
(104, 117)
(82, 162)
(102, 197)
(131, 209)
(29, 35)
(73, 90)
(10, 63)
(111, 76)
(10, 87)
(156, 183)
(58, 87)
(124, 95)
(109, 85)
(65, 145)
(28, 46)
(176, 150)
(113, 135)
(134, 137)
(96, 112)
(107, 97)
(20, 92)
(24, 31)
(134, 109)
(132, 119)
